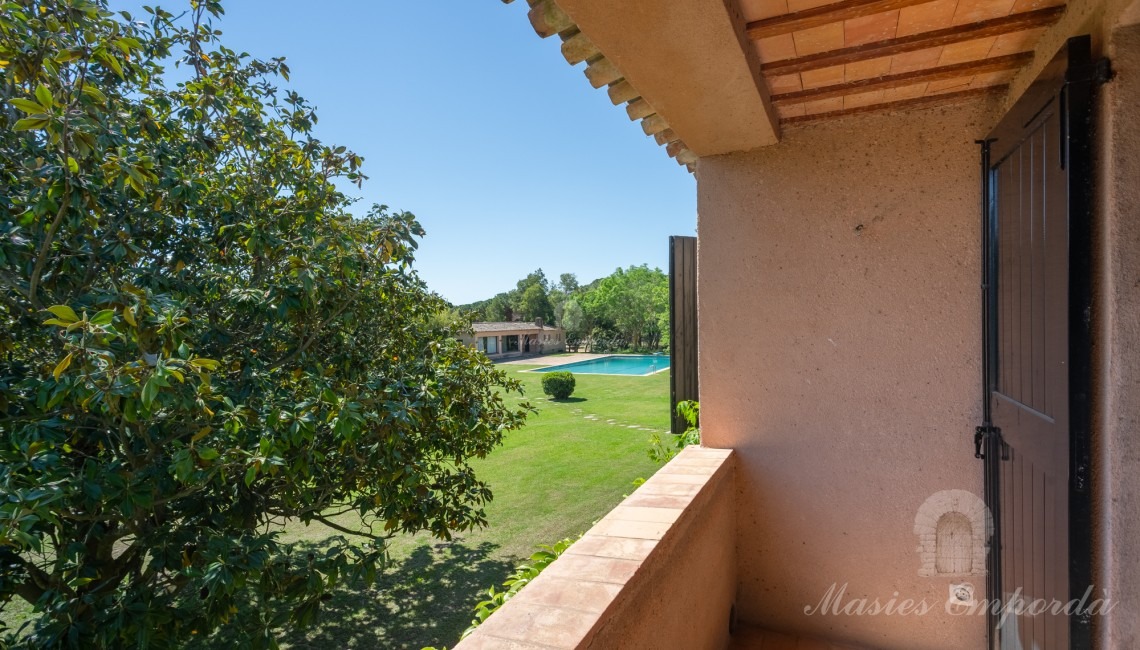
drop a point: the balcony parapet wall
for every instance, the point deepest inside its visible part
(658, 571)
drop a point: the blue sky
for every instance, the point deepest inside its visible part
(466, 118)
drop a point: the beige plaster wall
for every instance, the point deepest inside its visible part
(850, 254)
(1118, 346)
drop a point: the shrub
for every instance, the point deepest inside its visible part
(558, 385)
(661, 451)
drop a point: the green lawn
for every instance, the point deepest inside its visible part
(551, 480)
(571, 464)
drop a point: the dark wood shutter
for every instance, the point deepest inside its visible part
(1037, 178)
(683, 383)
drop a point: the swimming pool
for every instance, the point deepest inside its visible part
(626, 364)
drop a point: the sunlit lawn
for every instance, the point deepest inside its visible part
(551, 480)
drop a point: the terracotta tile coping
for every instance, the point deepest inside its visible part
(566, 605)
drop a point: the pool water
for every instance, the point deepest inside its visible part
(626, 364)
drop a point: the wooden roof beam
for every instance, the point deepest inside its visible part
(654, 124)
(621, 92)
(578, 48)
(686, 157)
(916, 102)
(638, 109)
(665, 137)
(823, 15)
(548, 19)
(885, 82)
(957, 34)
(602, 72)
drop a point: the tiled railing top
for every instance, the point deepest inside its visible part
(566, 604)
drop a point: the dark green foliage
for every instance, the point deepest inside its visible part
(199, 343)
(558, 384)
(627, 310)
(633, 304)
(662, 451)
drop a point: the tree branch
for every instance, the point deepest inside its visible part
(310, 340)
(37, 584)
(347, 531)
(41, 257)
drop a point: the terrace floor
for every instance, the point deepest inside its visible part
(754, 638)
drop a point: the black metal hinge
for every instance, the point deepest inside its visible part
(981, 434)
(1099, 71)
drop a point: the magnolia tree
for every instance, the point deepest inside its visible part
(198, 343)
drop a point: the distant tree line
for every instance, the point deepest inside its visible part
(626, 310)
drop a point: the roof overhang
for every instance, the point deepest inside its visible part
(690, 60)
(708, 77)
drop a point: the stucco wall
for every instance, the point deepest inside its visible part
(1118, 346)
(849, 254)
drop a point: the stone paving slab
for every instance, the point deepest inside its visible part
(552, 360)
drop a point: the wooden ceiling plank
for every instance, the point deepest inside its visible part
(921, 41)
(1009, 62)
(917, 102)
(829, 13)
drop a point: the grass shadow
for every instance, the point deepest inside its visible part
(425, 599)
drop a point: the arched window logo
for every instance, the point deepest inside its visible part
(952, 528)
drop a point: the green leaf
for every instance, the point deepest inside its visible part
(64, 313)
(30, 124)
(131, 410)
(250, 475)
(61, 366)
(67, 56)
(183, 465)
(27, 105)
(104, 317)
(115, 65)
(206, 364)
(150, 391)
(44, 95)
(72, 165)
(207, 453)
(94, 93)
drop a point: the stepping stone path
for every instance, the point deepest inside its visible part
(595, 418)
